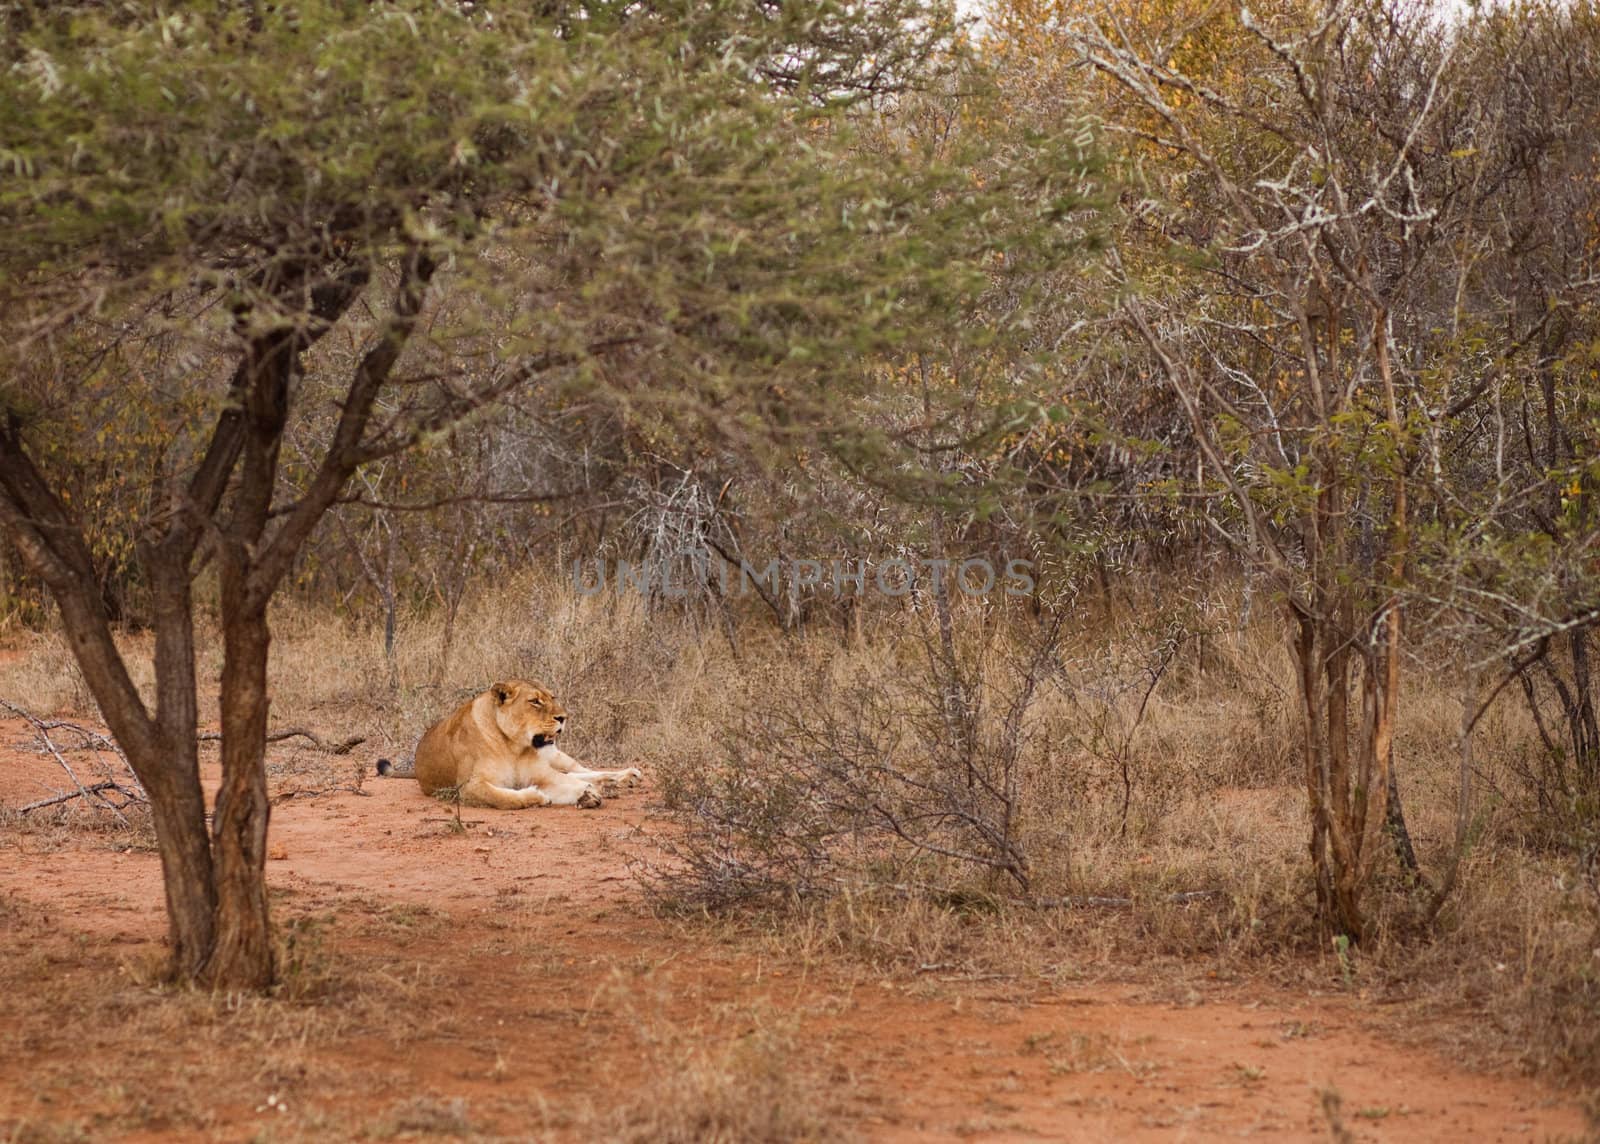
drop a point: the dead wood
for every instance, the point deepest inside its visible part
(93, 740)
(343, 747)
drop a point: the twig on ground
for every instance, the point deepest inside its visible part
(318, 792)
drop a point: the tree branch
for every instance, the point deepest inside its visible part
(52, 545)
(343, 457)
(329, 301)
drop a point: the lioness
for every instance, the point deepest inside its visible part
(500, 750)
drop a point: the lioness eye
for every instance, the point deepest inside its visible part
(537, 702)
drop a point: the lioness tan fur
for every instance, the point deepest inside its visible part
(499, 750)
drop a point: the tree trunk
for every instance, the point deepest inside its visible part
(177, 801)
(1336, 834)
(1308, 654)
(178, 809)
(1400, 833)
(243, 956)
(1585, 728)
(1386, 650)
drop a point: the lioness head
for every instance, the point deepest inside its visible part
(526, 712)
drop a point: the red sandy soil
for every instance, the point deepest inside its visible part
(550, 998)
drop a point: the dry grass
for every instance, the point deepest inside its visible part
(702, 1086)
(75, 824)
(81, 1011)
(368, 1038)
(1214, 804)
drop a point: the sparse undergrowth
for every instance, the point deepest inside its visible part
(1153, 825)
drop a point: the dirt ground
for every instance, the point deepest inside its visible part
(506, 979)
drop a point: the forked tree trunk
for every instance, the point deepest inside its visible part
(215, 885)
(1349, 761)
(1337, 630)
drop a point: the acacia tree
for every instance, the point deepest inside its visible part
(1315, 162)
(1512, 555)
(660, 201)
(1377, 334)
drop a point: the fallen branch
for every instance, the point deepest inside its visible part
(341, 748)
(97, 789)
(95, 793)
(92, 740)
(318, 792)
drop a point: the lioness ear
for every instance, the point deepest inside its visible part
(502, 692)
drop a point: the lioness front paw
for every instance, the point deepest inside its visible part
(589, 799)
(632, 776)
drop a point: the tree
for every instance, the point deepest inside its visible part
(1318, 194)
(1509, 556)
(660, 202)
